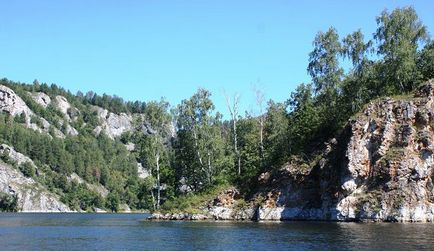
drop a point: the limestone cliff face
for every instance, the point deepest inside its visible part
(113, 125)
(12, 104)
(380, 169)
(31, 196)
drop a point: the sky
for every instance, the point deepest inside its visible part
(144, 50)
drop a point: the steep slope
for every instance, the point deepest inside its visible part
(380, 168)
(76, 146)
(31, 196)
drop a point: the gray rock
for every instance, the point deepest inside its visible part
(12, 103)
(113, 125)
(142, 172)
(41, 98)
(31, 196)
(19, 158)
(62, 104)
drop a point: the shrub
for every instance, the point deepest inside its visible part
(27, 169)
(8, 202)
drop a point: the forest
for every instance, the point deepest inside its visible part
(192, 150)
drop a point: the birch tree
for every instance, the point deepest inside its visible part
(199, 147)
(259, 99)
(154, 149)
(232, 104)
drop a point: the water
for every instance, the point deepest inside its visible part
(130, 232)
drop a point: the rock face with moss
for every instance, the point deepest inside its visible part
(380, 169)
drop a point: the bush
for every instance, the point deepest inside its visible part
(20, 118)
(27, 169)
(8, 202)
(112, 202)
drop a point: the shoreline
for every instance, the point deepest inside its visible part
(196, 218)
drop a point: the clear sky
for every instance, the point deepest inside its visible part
(143, 50)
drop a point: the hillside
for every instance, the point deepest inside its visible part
(71, 149)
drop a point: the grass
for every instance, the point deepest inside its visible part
(191, 203)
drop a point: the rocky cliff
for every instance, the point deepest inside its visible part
(31, 196)
(379, 168)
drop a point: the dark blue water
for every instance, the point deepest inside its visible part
(130, 232)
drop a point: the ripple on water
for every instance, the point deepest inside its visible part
(130, 232)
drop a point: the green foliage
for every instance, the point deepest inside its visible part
(199, 147)
(8, 202)
(27, 169)
(323, 62)
(97, 160)
(190, 203)
(112, 202)
(249, 152)
(425, 62)
(399, 35)
(20, 118)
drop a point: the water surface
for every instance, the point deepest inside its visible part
(130, 232)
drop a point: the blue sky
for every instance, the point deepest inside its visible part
(143, 50)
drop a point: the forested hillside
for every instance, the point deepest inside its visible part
(100, 152)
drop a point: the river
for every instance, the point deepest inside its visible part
(131, 232)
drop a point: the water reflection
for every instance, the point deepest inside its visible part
(129, 232)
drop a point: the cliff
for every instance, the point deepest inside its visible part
(31, 196)
(379, 168)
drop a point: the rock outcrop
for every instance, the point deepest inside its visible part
(17, 157)
(142, 172)
(41, 98)
(11, 103)
(31, 196)
(379, 169)
(62, 105)
(113, 125)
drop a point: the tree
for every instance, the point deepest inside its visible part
(425, 62)
(355, 86)
(20, 118)
(154, 152)
(276, 130)
(259, 98)
(199, 147)
(249, 152)
(355, 49)
(232, 105)
(399, 35)
(326, 76)
(112, 202)
(323, 62)
(8, 202)
(304, 118)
